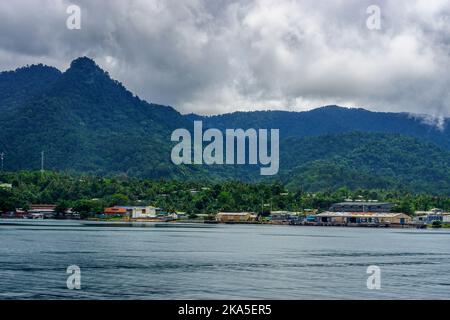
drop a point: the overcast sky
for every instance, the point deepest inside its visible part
(217, 56)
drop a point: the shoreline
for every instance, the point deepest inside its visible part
(202, 222)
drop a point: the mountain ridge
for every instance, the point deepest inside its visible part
(85, 121)
(333, 119)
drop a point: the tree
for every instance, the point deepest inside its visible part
(62, 207)
(119, 199)
(405, 206)
(6, 200)
(436, 224)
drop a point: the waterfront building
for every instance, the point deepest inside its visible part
(17, 213)
(310, 219)
(42, 210)
(285, 216)
(427, 217)
(203, 216)
(180, 215)
(135, 212)
(115, 211)
(361, 206)
(363, 218)
(446, 218)
(235, 217)
(281, 216)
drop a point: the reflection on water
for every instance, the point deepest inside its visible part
(196, 261)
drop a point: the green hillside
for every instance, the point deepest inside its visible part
(86, 122)
(366, 160)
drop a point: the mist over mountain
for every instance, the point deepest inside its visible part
(85, 121)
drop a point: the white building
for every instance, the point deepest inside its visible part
(5, 185)
(434, 214)
(137, 212)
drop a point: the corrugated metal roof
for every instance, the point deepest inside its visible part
(114, 210)
(363, 203)
(234, 213)
(359, 214)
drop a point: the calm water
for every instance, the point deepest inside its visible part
(167, 261)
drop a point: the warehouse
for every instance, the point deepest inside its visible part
(363, 218)
(362, 206)
(233, 217)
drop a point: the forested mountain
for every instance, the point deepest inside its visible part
(334, 119)
(365, 160)
(19, 86)
(85, 121)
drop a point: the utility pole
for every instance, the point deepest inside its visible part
(2, 155)
(42, 162)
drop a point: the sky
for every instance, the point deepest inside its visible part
(216, 56)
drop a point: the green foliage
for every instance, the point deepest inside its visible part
(62, 206)
(436, 224)
(87, 122)
(331, 120)
(405, 206)
(365, 160)
(89, 194)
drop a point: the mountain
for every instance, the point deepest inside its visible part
(84, 121)
(333, 119)
(365, 160)
(23, 84)
(87, 122)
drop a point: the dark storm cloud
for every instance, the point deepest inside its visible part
(219, 56)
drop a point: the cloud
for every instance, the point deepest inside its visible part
(220, 56)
